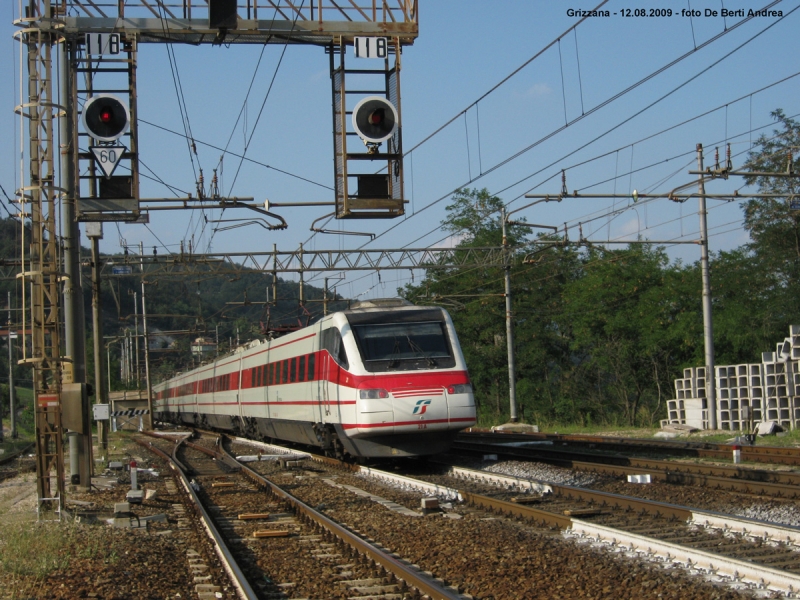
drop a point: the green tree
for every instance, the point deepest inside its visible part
(774, 225)
(475, 299)
(621, 311)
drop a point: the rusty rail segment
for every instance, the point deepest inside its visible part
(7, 458)
(538, 516)
(426, 585)
(238, 579)
(780, 484)
(764, 454)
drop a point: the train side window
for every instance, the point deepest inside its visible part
(311, 364)
(301, 369)
(285, 372)
(333, 343)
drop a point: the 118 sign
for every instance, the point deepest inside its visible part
(371, 47)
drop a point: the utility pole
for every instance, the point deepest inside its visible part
(512, 376)
(147, 359)
(136, 342)
(12, 394)
(80, 441)
(708, 329)
(94, 232)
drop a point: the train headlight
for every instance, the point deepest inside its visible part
(460, 388)
(373, 394)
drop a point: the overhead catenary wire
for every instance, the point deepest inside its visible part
(604, 214)
(620, 211)
(603, 155)
(476, 103)
(605, 103)
(241, 156)
(261, 111)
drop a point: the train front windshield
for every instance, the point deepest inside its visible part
(392, 346)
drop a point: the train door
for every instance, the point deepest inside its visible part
(239, 394)
(323, 380)
(267, 390)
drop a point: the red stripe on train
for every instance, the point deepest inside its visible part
(405, 423)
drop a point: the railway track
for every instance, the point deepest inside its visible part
(759, 482)
(762, 553)
(648, 447)
(284, 548)
(16, 462)
(362, 518)
(704, 541)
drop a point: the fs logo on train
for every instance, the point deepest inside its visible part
(421, 407)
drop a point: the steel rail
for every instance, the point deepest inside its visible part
(758, 574)
(238, 579)
(600, 499)
(764, 454)
(762, 575)
(749, 481)
(5, 459)
(426, 585)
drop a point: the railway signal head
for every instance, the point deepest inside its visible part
(105, 117)
(375, 119)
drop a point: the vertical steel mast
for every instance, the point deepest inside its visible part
(40, 32)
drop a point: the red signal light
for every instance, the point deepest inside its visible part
(105, 117)
(376, 117)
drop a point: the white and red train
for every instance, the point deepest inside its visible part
(371, 381)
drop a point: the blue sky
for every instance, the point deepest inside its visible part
(464, 49)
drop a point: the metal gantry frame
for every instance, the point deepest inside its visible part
(360, 201)
(49, 25)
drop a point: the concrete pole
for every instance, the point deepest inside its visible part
(127, 358)
(708, 329)
(74, 319)
(512, 384)
(136, 340)
(147, 360)
(12, 393)
(100, 385)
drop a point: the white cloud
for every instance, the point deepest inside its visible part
(537, 90)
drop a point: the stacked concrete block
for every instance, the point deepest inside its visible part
(740, 392)
(794, 340)
(690, 406)
(767, 391)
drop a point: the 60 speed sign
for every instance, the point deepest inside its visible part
(107, 157)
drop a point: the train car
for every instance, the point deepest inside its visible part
(383, 379)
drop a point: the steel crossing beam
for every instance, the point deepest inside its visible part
(255, 21)
(279, 261)
(305, 261)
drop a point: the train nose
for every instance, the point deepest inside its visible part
(375, 412)
(461, 405)
(418, 408)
